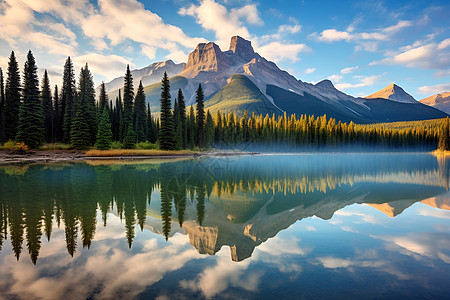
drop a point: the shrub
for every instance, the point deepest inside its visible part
(9, 145)
(147, 145)
(116, 145)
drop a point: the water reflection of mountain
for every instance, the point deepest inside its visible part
(239, 202)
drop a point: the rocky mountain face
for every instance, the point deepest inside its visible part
(393, 92)
(278, 90)
(440, 101)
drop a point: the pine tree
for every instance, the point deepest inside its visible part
(79, 134)
(128, 95)
(191, 132)
(12, 98)
(152, 134)
(166, 134)
(67, 99)
(57, 117)
(200, 117)
(103, 99)
(444, 144)
(31, 118)
(87, 96)
(182, 111)
(2, 109)
(140, 115)
(104, 133)
(47, 105)
(130, 138)
(209, 130)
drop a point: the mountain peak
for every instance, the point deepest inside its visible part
(393, 92)
(242, 48)
(325, 84)
(206, 57)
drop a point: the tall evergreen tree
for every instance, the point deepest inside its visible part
(140, 115)
(200, 117)
(80, 128)
(182, 110)
(128, 95)
(209, 130)
(166, 134)
(191, 128)
(87, 95)
(444, 143)
(177, 126)
(12, 98)
(2, 109)
(103, 99)
(57, 115)
(47, 105)
(104, 134)
(130, 138)
(31, 118)
(67, 99)
(152, 135)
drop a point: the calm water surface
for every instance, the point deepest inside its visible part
(340, 226)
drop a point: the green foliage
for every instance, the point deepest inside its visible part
(140, 115)
(9, 145)
(147, 145)
(87, 97)
(47, 105)
(67, 99)
(130, 138)
(80, 128)
(31, 117)
(444, 144)
(182, 113)
(166, 134)
(12, 98)
(104, 134)
(103, 101)
(200, 117)
(2, 109)
(116, 145)
(128, 95)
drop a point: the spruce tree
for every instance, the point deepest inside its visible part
(79, 134)
(140, 115)
(47, 105)
(31, 118)
(104, 133)
(200, 117)
(152, 135)
(2, 109)
(67, 99)
(182, 111)
(12, 98)
(87, 95)
(130, 138)
(128, 95)
(191, 132)
(209, 130)
(57, 118)
(166, 134)
(177, 126)
(103, 99)
(444, 143)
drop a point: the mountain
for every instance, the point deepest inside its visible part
(240, 79)
(149, 75)
(393, 92)
(440, 101)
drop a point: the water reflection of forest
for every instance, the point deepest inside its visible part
(242, 201)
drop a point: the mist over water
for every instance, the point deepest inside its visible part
(293, 225)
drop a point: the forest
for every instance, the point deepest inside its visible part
(33, 114)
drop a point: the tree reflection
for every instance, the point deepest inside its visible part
(34, 197)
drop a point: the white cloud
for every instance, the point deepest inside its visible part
(349, 70)
(289, 28)
(333, 35)
(435, 89)
(335, 78)
(250, 13)
(310, 70)
(148, 51)
(215, 17)
(365, 217)
(364, 81)
(429, 56)
(278, 51)
(109, 66)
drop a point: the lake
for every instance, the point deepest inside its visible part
(303, 226)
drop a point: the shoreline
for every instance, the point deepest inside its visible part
(48, 156)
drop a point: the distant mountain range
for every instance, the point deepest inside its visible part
(440, 101)
(240, 79)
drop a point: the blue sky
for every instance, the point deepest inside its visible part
(362, 46)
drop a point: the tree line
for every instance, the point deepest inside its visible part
(35, 114)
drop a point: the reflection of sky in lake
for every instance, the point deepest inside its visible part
(361, 252)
